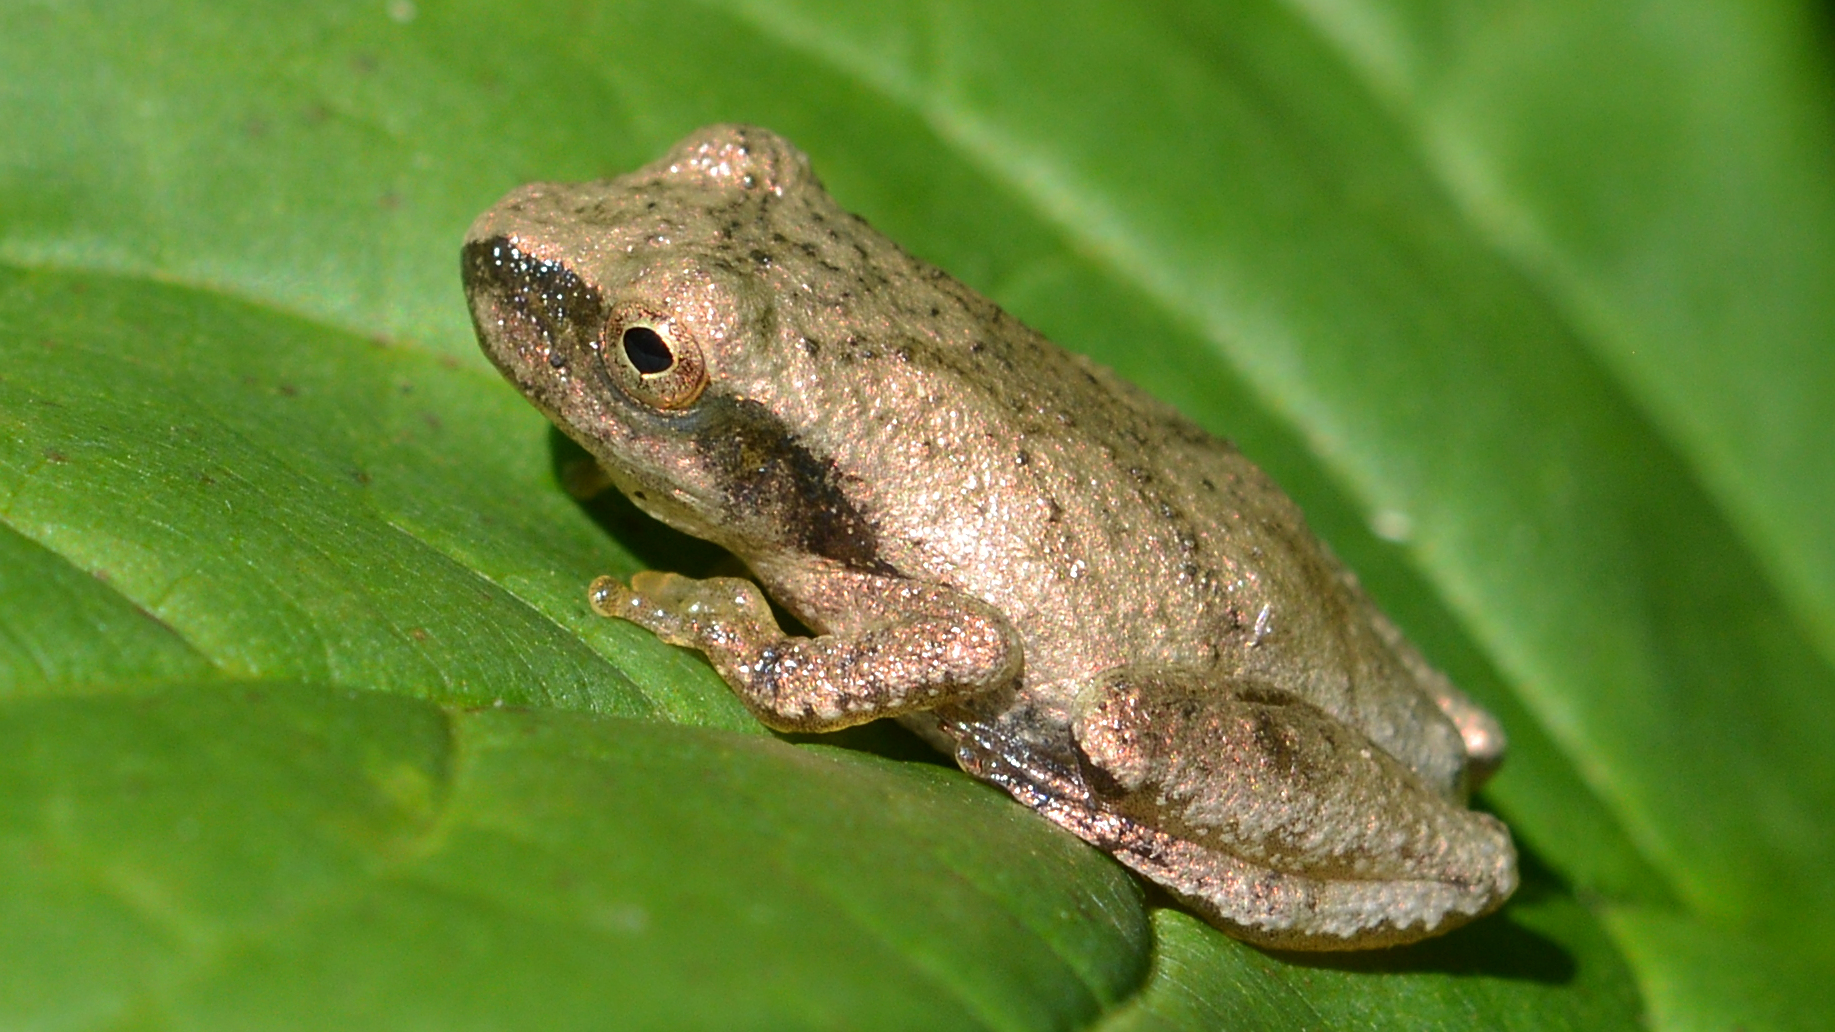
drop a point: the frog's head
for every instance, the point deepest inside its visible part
(641, 315)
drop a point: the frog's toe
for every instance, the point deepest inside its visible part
(610, 597)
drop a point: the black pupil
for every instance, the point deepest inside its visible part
(646, 350)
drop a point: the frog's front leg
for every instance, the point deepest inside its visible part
(928, 646)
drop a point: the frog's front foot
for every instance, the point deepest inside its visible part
(699, 614)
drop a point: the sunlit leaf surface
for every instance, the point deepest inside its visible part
(306, 722)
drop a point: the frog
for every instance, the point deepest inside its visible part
(1085, 598)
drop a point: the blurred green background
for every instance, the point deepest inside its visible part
(304, 721)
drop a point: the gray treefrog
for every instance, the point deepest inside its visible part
(1085, 598)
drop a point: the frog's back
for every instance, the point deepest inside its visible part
(1110, 530)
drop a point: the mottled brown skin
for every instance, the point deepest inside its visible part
(1090, 601)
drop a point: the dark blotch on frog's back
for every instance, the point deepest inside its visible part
(773, 479)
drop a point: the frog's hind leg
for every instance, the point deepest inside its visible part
(1483, 736)
(1272, 819)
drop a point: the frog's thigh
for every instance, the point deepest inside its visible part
(950, 648)
(1274, 819)
(1483, 736)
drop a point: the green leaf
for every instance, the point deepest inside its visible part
(358, 860)
(295, 502)
(1545, 965)
(1525, 304)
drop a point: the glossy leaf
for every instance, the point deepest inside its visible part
(1544, 966)
(1523, 302)
(361, 860)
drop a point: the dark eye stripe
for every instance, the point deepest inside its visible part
(545, 291)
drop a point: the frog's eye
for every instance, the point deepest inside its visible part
(653, 365)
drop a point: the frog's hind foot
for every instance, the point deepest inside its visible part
(1251, 902)
(1270, 819)
(1281, 911)
(1280, 823)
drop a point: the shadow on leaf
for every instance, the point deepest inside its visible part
(653, 543)
(1495, 947)
(661, 547)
